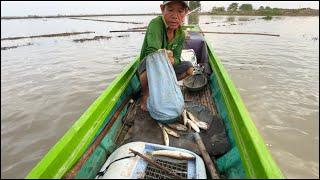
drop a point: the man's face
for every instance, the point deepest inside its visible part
(173, 13)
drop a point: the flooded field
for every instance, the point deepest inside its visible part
(48, 82)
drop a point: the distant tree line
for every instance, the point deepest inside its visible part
(194, 4)
(247, 9)
(194, 18)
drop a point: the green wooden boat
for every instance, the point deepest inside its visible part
(247, 156)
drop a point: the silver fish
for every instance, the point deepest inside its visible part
(184, 117)
(177, 126)
(173, 154)
(171, 132)
(165, 135)
(192, 117)
(202, 125)
(194, 126)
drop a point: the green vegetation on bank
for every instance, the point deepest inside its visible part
(247, 9)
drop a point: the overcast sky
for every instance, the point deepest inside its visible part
(24, 8)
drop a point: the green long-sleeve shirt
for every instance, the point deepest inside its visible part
(156, 38)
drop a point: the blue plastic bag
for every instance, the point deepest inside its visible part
(165, 102)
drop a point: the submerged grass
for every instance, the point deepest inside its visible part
(92, 39)
(48, 35)
(12, 47)
(126, 22)
(267, 17)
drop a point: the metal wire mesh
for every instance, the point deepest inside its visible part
(178, 167)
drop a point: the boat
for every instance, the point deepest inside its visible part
(85, 147)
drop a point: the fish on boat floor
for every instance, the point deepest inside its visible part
(141, 127)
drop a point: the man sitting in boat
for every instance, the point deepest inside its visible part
(165, 32)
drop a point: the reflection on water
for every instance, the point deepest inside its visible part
(231, 19)
(47, 86)
(243, 18)
(193, 18)
(215, 17)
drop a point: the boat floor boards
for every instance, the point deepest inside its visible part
(139, 126)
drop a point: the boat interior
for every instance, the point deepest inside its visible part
(141, 126)
(137, 125)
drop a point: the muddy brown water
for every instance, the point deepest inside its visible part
(46, 87)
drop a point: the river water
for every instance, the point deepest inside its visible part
(45, 87)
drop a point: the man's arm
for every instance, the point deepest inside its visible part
(154, 38)
(178, 49)
(177, 54)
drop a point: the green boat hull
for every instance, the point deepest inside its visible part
(248, 157)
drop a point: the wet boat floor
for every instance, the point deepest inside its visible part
(139, 126)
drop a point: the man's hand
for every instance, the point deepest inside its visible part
(187, 34)
(170, 55)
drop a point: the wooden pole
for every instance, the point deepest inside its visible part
(134, 30)
(263, 34)
(155, 164)
(126, 22)
(73, 172)
(206, 156)
(48, 35)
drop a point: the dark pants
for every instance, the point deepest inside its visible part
(179, 69)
